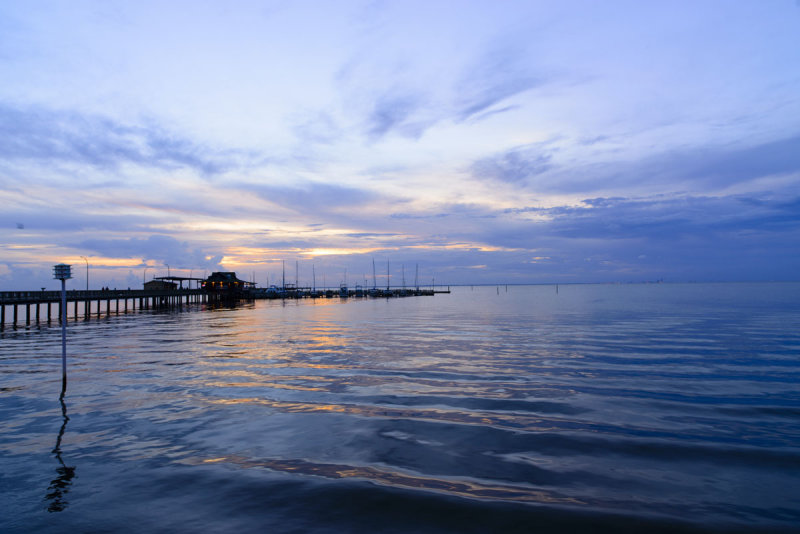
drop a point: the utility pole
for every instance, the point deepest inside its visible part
(63, 272)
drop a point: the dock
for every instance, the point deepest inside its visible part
(45, 306)
(39, 306)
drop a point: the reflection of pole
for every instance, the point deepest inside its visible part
(60, 485)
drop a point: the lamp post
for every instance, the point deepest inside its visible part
(63, 272)
(144, 274)
(190, 275)
(168, 275)
(87, 272)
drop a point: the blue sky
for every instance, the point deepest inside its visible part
(486, 142)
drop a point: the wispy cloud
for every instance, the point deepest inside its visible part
(498, 75)
(394, 113)
(311, 197)
(42, 134)
(515, 165)
(668, 218)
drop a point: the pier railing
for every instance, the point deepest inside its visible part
(37, 305)
(22, 297)
(94, 302)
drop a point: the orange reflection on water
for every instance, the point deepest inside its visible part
(276, 385)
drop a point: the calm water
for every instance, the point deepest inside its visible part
(619, 408)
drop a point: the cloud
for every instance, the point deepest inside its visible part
(47, 218)
(161, 248)
(308, 197)
(42, 134)
(393, 113)
(707, 168)
(515, 165)
(319, 127)
(665, 218)
(496, 76)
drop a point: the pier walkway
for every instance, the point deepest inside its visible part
(38, 306)
(91, 302)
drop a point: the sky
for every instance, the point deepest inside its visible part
(472, 142)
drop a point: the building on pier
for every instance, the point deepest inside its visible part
(160, 285)
(226, 283)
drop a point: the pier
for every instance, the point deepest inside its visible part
(45, 306)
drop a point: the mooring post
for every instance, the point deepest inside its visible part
(62, 272)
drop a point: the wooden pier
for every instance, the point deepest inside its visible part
(39, 306)
(45, 306)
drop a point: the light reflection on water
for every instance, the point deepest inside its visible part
(661, 403)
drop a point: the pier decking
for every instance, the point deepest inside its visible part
(91, 302)
(38, 306)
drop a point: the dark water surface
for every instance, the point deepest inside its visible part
(603, 408)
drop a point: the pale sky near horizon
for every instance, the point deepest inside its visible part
(486, 142)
